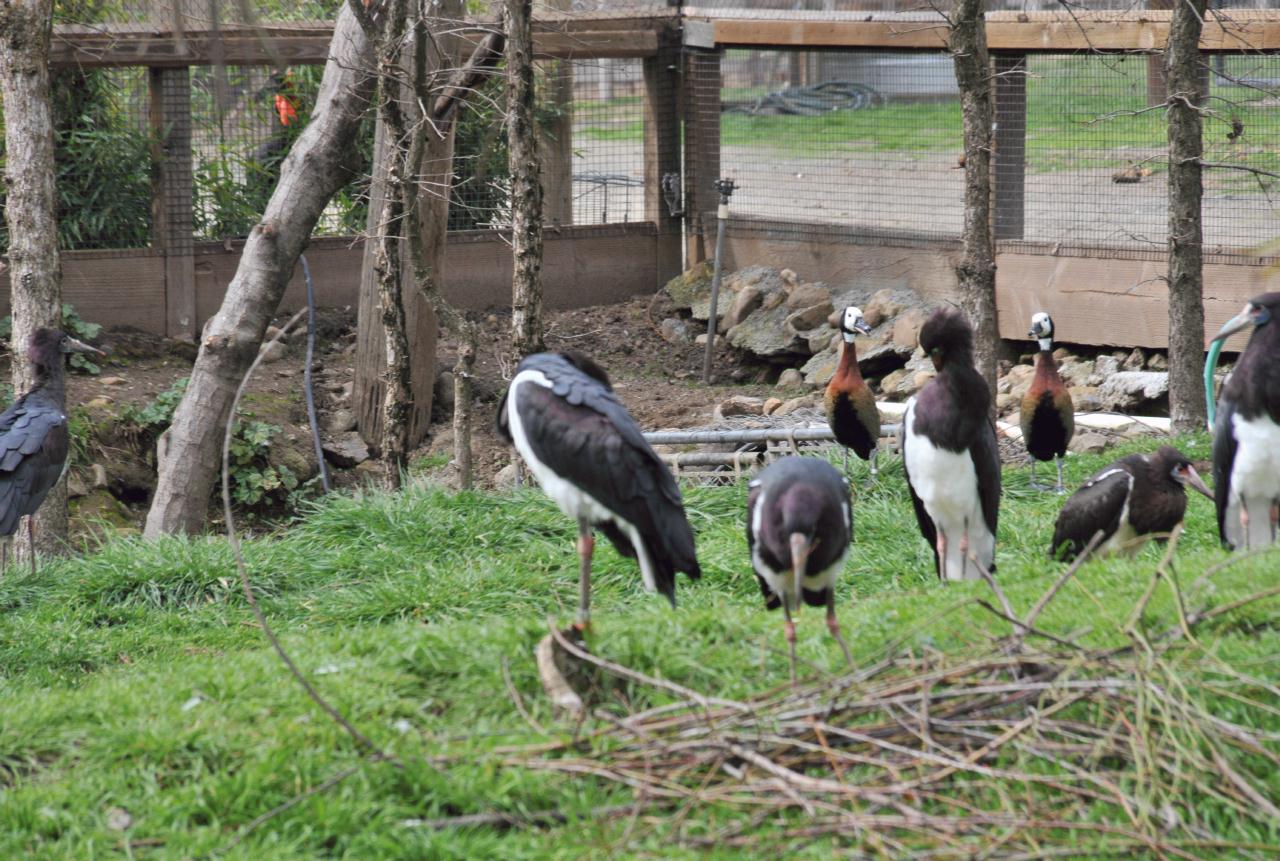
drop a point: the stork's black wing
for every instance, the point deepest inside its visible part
(1097, 505)
(985, 453)
(33, 450)
(580, 430)
(1224, 458)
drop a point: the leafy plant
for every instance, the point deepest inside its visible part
(254, 480)
(75, 326)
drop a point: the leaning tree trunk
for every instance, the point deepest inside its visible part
(35, 277)
(323, 159)
(976, 271)
(526, 184)
(1185, 75)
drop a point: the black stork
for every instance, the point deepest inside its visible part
(1246, 432)
(1047, 416)
(799, 527)
(34, 440)
(1131, 500)
(589, 456)
(949, 453)
(851, 408)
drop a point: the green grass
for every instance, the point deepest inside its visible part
(136, 679)
(1079, 113)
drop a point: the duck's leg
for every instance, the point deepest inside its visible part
(1033, 474)
(833, 625)
(586, 545)
(1061, 488)
(875, 470)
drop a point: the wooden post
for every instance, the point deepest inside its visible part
(555, 139)
(1010, 170)
(172, 188)
(701, 148)
(662, 148)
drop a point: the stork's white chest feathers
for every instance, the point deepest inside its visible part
(1256, 469)
(945, 481)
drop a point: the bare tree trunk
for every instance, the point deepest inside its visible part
(462, 371)
(35, 275)
(976, 271)
(322, 160)
(526, 184)
(1185, 75)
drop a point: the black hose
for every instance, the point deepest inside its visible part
(306, 373)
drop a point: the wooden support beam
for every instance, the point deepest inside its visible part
(295, 44)
(662, 150)
(1009, 168)
(1054, 32)
(172, 221)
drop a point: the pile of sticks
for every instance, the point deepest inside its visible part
(1037, 748)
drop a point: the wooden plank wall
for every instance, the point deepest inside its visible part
(582, 266)
(1093, 301)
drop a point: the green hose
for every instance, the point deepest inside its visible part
(1211, 362)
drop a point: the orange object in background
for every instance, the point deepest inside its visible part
(287, 108)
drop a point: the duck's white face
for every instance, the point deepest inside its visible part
(1041, 325)
(853, 322)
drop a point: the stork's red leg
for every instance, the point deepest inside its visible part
(586, 546)
(833, 625)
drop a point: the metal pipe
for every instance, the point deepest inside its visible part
(778, 434)
(726, 188)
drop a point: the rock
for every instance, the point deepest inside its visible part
(773, 300)
(767, 282)
(1076, 372)
(808, 295)
(883, 306)
(1016, 375)
(882, 358)
(344, 393)
(1061, 354)
(442, 399)
(1135, 361)
(101, 402)
(691, 286)
(821, 367)
(346, 451)
(789, 277)
(272, 352)
(821, 338)
(112, 381)
(906, 329)
(807, 319)
(130, 480)
(1157, 362)
(1006, 403)
(790, 377)
(739, 405)
(701, 340)
(296, 454)
(1084, 399)
(771, 405)
(98, 473)
(789, 407)
(743, 304)
(99, 506)
(76, 486)
(505, 478)
(1103, 367)
(1134, 390)
(675, 331)
(340, 421)
(273, 331)
(1088, 443)
(889, 385)
(765, 334)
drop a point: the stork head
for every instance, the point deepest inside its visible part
(1177, 466)
(852, 322)
(945, 336)
(47, 346)
(1258, 311)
